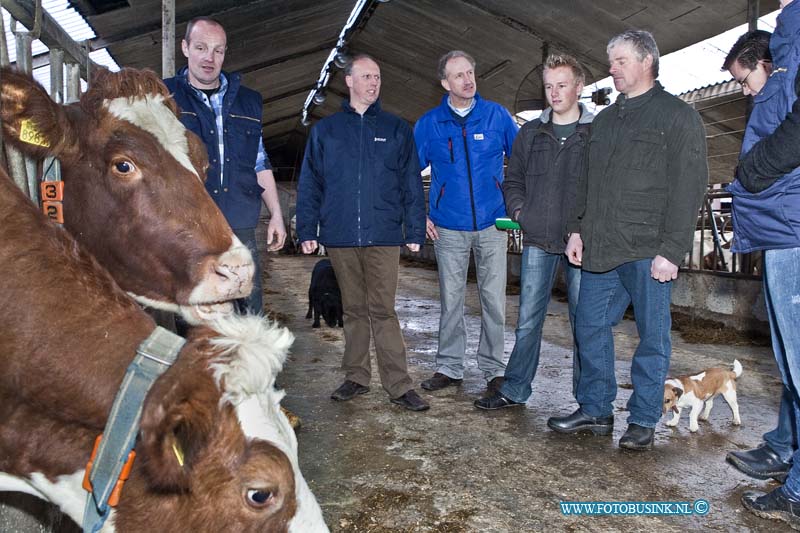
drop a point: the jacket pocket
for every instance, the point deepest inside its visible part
(648, 149)
(440, 195)
(639, 219)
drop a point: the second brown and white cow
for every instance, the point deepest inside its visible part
(68, 334)
(134, 193)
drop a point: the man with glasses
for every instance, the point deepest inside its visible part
(750, 63)
(766, 216)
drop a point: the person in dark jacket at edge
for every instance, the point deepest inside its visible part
(766, 216)
(464, 140)
(226, 115)
(750, 63)
(638, 200)
(540, 189)
(361, 185)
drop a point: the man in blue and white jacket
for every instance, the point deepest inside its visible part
(464, 140)
(360, 185)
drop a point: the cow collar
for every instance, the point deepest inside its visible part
(153, 357)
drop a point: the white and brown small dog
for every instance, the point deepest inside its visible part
(694, 391)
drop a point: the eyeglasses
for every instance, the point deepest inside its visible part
(764, 63)
(743, 82)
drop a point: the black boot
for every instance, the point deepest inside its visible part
(577, 421)
(637, 437)
(774, 505)
(760, 463)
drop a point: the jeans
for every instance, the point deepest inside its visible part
(253, 303)
(452, 249)
(536, 286)
(783, 439)
(782, 295)
(603, 300)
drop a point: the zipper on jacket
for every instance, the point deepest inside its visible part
(469, 177)
(358, 189)
(450, 147)
(441, 193)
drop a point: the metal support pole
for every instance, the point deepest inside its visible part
(24, 55)
(19, 166)
(57, 75)
(4, 60)
(73, 82)
(752, 15)
(167, 38)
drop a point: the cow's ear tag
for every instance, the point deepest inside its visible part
(28, 133)
(178, 451)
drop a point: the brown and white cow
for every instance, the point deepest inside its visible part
(134, 193)
(69, 332)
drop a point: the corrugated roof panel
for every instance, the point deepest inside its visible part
(72, 23)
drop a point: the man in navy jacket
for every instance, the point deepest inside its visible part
(464, 140)
(227, 116)
(360, 194)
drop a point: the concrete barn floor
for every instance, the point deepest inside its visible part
(377, 468)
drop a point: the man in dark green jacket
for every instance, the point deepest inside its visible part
(638, 198)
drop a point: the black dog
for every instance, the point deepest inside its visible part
(324, 297)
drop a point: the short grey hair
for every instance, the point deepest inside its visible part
(642, 42)
(452, 54)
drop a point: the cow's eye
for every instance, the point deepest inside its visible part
(125, 169)
(259, 498)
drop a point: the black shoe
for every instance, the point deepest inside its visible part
(494, 385)
(495, 401)
(760, 463)
(637, 438)
(577, 421)
(348, 390)
(439, 381)
(774, 505)
(412, 401)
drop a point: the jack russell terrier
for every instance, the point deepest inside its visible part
(694, 391)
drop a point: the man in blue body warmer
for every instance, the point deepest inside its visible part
(464, 141)
(227, 116)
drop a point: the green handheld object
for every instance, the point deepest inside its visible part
(506, 223)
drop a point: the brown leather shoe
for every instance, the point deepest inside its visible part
(439, 381)
(412, 401)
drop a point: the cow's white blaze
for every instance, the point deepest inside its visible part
(254, 353)
(153, 116)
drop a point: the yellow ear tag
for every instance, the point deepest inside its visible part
(29, 134)
(178, 453)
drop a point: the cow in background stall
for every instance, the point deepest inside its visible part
(68, 334)
(134, 193)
